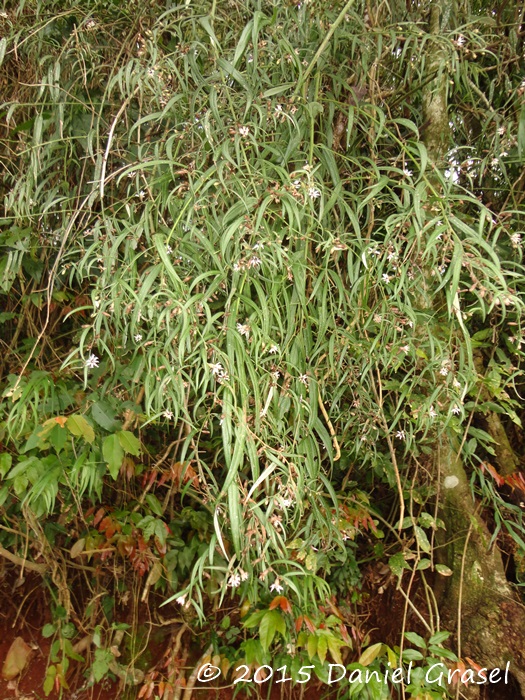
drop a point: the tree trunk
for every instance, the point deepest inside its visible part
(477, 602)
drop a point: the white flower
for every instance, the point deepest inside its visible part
(168, 414)
(276, 586)
(313, 192)
(502, 130)
(137, 338)
(406, 348)
(431, 412)
(96, 303)
(258, 246)
(456, 410)
(92, 362)
(407, 172)
(217, 370)
(296, 184)
(400, 434)
(377, 318)
(141, 195)
(515, 239)
(234, 581)
(286, 502)
(181, 599)
(456, 384)
(244, 131)
(244, 575)
(392, 256)
(303, 378)
(386, 278)
(237, 266)
(460, 40)
(243, 329)
(278, 109)
(254, 262)
(274, 350)
(444, 370)
(494, 162)
(169, 250)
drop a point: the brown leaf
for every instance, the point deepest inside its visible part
(16, 660)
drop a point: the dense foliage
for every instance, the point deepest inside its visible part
(221, 229)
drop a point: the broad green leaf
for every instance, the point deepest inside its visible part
(104, 415)
(370, 654)
(129, 442)
(79, 427)
(422, 539)
(271, 623)
(113, 454)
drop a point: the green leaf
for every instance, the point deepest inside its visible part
(48, 630)
(271, 623)
(113, 454)
(422, 539)
(439, 637)
(57, 437)
(322, 648)
(397, 563)
(154, 504)
(311, 646)
(79, 427)
(129, 442)
(412, 655)
(5, 463)
(370, 654)
(443, 570)
(416, 639)
(104, 415)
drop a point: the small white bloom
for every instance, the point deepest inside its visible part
(274, 350)
(502, 130)
(137, 338)
(392, 256)
(278, 109)
(217, 370)
(386, 278)
(182, 599)
(377, 318)
(258, 246)
(297, 184)
(407, 172)
(431, 412)
(254, 262)
(96, 303)
(456, 410)
(303, 378)
(141, 195)
(444, 370)
(92, 362)
(234, 581)
(237, 266)
(168, 414)
(276, 586)
(494, 162)
(169, 250)
(406, 348)
(314, 193)
(460, 41)
(515, 239)
(244, 575)
(400, 434)
(244, 131)
(243, 329)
